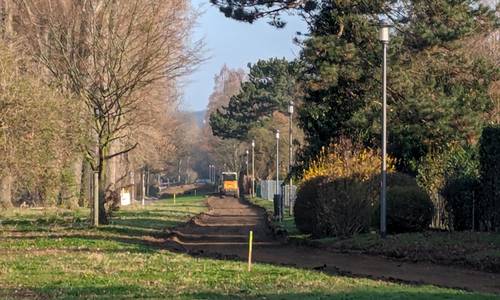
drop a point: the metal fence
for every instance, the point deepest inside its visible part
(293, 194)
(267, 188)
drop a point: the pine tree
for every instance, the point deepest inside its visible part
(271, 85)
(342, 56)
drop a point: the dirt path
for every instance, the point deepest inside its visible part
(223, 232)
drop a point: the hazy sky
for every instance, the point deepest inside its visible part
(235, 44)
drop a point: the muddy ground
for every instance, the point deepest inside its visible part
(222, 232)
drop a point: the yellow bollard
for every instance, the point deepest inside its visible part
(250, 242)
(174, 198)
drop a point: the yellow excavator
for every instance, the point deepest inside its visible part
(229, 184)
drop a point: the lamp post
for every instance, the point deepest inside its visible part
(214, 177)
(384, 38)
(210, 173)
(213, 174)
(253, 168)
(277, 195)
(246, 161)
(290, 158)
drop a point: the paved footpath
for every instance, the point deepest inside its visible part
(223, 232)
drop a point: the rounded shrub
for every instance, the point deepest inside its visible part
(334, 207)
(346, 207)
(409, 209)
(394, 179)
(306, 204)
(337, 193)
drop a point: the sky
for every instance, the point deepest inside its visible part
(235, 44)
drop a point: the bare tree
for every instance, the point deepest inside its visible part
(106, 52)
(227, 83)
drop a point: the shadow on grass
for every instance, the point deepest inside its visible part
(86, 243)
(145, 229)
(135, 292)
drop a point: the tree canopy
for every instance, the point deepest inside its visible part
(438, 92)
(270, 86)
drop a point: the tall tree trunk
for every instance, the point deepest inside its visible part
(6, 183)
(179, 171)
(85, 184)
(103, 218)
(77, 175)
(7, 12)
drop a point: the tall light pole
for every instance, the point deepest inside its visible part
(290, 158)
(214, 177)
(213, 174)
(253, 168)
(246, 161)
(277, 195)
(384, 38)
(210, 173)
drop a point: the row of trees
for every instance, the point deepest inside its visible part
(443, 81)
(113, 67)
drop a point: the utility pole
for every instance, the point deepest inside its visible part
(253, 168)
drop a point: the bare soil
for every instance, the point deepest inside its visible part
(222, 232)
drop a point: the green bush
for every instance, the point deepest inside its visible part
(400, 179)
(306, 204)
(334, 207)
(459, 195)
(409, 209)
(489, 156)
(346, 207)
(394, 179)
(438, 168)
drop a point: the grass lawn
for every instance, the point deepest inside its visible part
(47, 254)
(478, 250)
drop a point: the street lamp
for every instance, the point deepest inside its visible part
(214, 176)
(384, 38)
(253, 168)
(277, 197)
(290, 158)
(211, 173)
(246, 162)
